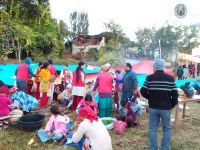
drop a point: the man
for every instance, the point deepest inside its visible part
(190, 68)
(22, 74)
(161, 92)
(129, 81)
(180, 73)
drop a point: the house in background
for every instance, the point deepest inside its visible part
(82, 43)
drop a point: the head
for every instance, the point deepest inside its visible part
(4, 90)
(66, 67)
(87, 113)
(81, 64)
(106, 67)
(124, 102)
(40, 64)
(55, 110)
(117, 72)
(28, 61)
(128, 67)
(159, 64)
(45, 65)
(69, 87)
(50, 62)
(88, 98)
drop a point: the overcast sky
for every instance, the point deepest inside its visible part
(130, 14)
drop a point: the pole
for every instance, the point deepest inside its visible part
(160, 48)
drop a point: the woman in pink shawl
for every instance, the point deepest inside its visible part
(87, 101)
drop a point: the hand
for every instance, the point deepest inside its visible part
(49, 134)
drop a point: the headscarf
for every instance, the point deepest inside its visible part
(4, 89)
(105, 67)
(28, 61)
(88, 113)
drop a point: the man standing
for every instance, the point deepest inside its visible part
(129, 81)
(22, 74)
(161, 92)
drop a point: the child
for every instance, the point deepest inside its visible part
(87, 101)
(5, 101)
(129, 112)
(56, 126)
(66, 96)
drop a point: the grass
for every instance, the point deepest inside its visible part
(186, 137)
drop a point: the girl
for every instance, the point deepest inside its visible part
(56, 126)
(5, 102)
(44, 85)
(66, 76)
(87, 101)
(37, 80)
(95, 131)
(78, 83)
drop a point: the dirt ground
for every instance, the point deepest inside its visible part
(186, 137)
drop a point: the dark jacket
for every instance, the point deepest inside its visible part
(130, 82)
(180, 71)
(160, 90)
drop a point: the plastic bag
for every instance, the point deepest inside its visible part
(34, 87)
(119, 127)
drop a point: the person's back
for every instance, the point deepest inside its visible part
(22, 72)
(105, 82)
(180, 71)
(98, 134)
(129, 84)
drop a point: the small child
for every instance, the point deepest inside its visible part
(5, 103)
(56, 126)
(87, 101)
(66, 96)
(129, 112)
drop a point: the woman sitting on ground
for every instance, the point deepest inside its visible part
(129, 112)
(5, 103)
(87, 101)
(56, 126)
(95, 131)
(66, 96)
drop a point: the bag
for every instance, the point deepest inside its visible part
(189, 92)
(119, 127)
(34, 87)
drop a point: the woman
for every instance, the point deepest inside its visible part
(104, 87)
(66, 76)
(78, 83)
(97, 136)
(37, 80)
(44, 85)
(56, 126)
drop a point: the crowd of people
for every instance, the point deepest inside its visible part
(184, 72)
(91, 101)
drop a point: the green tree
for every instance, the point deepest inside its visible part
(79, 23)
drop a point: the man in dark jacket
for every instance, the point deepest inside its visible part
(161, 92)
(180, 73)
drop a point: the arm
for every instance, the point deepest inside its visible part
(9, 101)
(31, 72)
(96, 84)
(135, 82)
(79, 133)
(174, 95)
(119, 81)
(49, 124)
(145, 89)
(61, 74)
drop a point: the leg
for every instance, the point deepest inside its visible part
(176, 118)
(154, 119)
(102, 113)
(42, 134)
(57, 136)
(166, 125)
(74, 102)
(108, 112)
(184, 107)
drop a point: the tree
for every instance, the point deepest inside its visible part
(79, 23)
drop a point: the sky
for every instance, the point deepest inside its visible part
(130, 14)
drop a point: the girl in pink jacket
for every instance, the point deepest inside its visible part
(56, 126)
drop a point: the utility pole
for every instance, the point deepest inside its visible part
(160, 48)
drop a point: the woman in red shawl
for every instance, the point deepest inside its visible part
(97, 136)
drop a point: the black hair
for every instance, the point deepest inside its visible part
(50, 61)
(1, 83)
(55, 110)
(45, 65)
(124, 101)
(40, 63)
(128, 65)
(78, 71)
(66, 65)
(88, 98)
(118, 71)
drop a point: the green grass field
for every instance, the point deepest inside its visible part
(187, 136)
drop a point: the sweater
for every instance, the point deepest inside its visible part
(5, 101)
(160, 90)
(96, 132)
